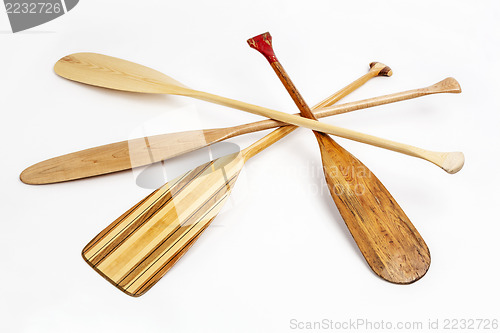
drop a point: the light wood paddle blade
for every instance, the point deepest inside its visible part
(114, 73)
(136, 250)
(118, 156)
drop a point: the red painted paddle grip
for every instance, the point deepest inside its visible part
(263, 44)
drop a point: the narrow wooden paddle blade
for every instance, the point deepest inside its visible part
(114, 73)
(137, 249)
(120, 156)
(388, 240)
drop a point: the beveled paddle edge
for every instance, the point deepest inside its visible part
(106, 277)
(150, 285)
(416, 255)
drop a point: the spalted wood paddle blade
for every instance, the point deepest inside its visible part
(388, 240)
(137, 249)
(114, 73)
(119, 156)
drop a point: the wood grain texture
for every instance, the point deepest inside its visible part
(114, 73)
(384, 234)
(138, 248)
(119, 156)
(387, 239)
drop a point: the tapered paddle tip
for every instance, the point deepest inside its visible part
(59, 66)
(407, 273)
(453, 162)
(382, 69)
(28, 176)
(448, 85)
(113, 73)
(41, 173)
(87, 260)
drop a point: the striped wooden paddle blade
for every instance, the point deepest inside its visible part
(137, 249)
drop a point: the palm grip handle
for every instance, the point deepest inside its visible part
(263, 44)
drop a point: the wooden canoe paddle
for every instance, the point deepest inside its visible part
(113, 73)
(387, 239)
(138, 248)
(117, 156)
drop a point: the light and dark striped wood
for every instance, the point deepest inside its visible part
(387, 239)
(138, 248)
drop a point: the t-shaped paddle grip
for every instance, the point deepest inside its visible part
(264, 44)
(383, 69)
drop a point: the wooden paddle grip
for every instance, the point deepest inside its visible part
(263, 44)
(383, 70)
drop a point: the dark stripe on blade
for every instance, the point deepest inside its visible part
(113, 225)
(134, 225)
(170, 263)
(162, 249)
(164, 268)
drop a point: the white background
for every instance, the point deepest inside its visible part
(282, 251)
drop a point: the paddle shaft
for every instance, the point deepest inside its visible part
(448, 85)
(283, 131)
(449, 162)
(441, 159)
(436, 158)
